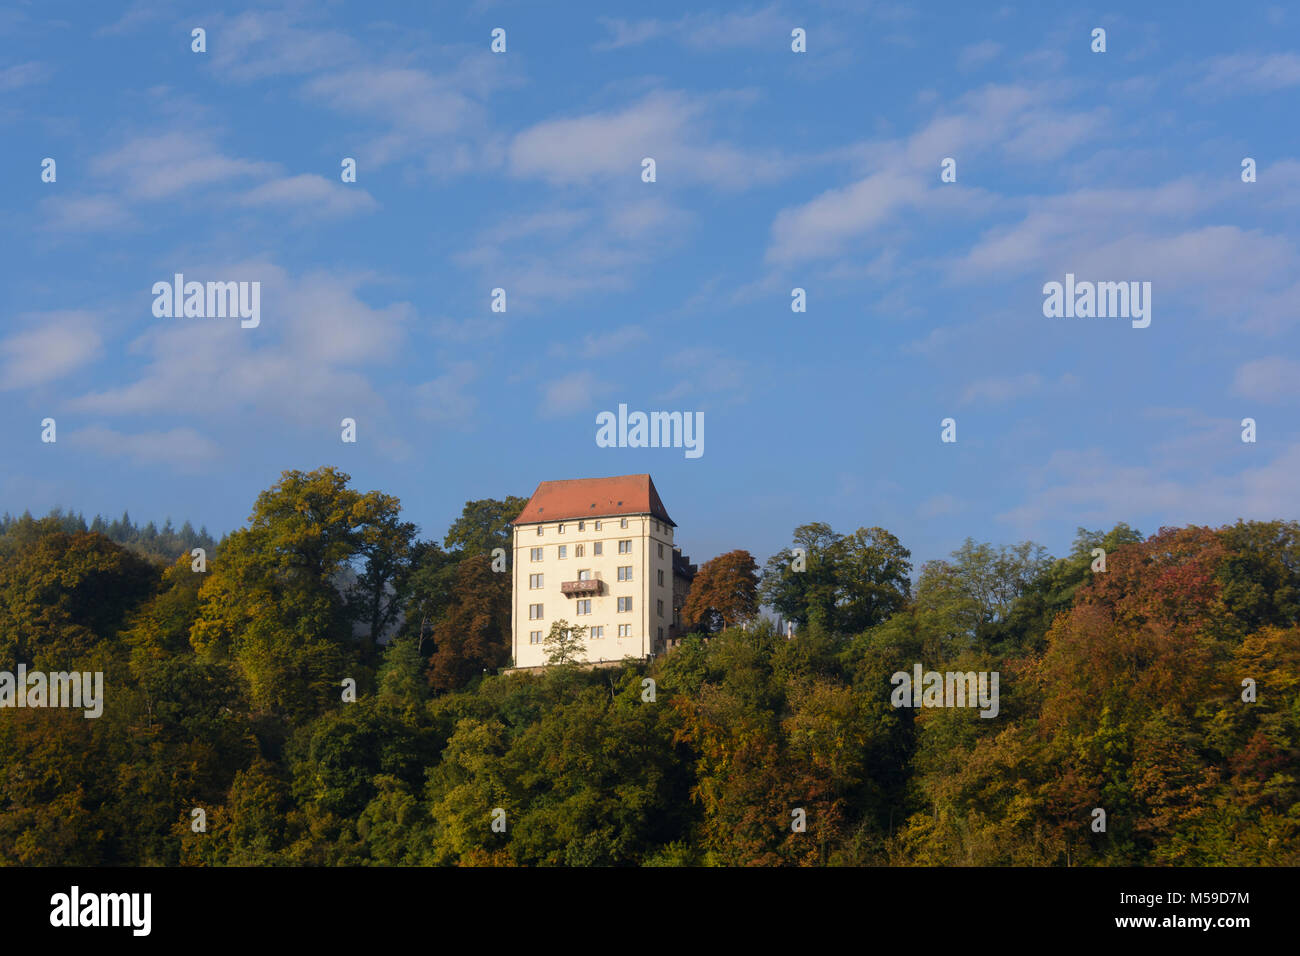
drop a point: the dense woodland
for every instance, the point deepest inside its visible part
(1120, 689)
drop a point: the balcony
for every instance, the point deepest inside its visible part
(580, 588)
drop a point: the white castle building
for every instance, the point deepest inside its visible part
(597, 552)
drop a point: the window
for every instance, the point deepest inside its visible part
(534, 581)
(579, 550)
(661, 577)
(625, 604)
(625, 547)
(597, 525)
(564, 551)
(534, 612)
(584, 606)
(625, 573)
(661, 549)
(598, 548)
(539, 531)
(582, 526)
(560, 528)
(597, 633)
(625, 630)
(622, 522)
(661, 633)
(660, 608)
(584, 575)
(535, 553)
(534, 637)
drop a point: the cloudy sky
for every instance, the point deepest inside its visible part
(775, 170)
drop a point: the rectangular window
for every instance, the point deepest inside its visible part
(534, 612)
(625, 630)
(539, 531)
(661, 633)
(534, 637)
(625, 604)
(625, 547)
(597, 525)
(660, 608)
(661, 549)
(584, 606)
(584, 575)
(582, 526)
(661, 577)
(535, 553)
(622, 522)
(534, 581)
(560, 529)
(579, 550)
(598, 632)
(625, 573)
(598, 548)
(564, 550)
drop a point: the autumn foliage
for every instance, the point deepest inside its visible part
(1164, 690)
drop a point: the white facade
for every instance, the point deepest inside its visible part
(627, 611)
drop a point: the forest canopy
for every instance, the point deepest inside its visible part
(1164, 690)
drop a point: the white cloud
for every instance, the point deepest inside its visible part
(1091, 488)
(904, 179)
(297, 365)
(23, 74)
(1002, 389)
(1274, 379)
(157, 167)
(707, 371)
(575, 392)
(664, 125)
(83, 213)
(977, 54)
(761, 28)
(181, 448)
(448, 398)
(56, 344)
(602, 344)
(311, 193)
(1250, 73)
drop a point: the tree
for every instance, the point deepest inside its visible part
(272, 600)
(724, 592)
(474, 634)
(484, 524)
(565, 643)
(842, 584)
(430, 589)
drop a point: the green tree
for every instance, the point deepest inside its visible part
(273, 601)
(566, 643)
(484, 524)
(841, 584)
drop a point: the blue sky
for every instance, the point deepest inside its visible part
(775, 170)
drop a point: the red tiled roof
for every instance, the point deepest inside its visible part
(594, 498)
